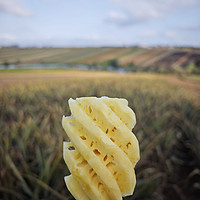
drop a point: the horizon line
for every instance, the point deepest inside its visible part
(99, 46)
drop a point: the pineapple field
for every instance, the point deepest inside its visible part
(139, 59)
(32, 103)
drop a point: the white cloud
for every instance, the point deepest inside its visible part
(7, 37)
(145, 10)
(119, 18)
(148, 33)
(14, 7)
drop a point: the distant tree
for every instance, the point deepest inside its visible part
(6, 63)
(197, 63)
(114, 63)
(94, 64)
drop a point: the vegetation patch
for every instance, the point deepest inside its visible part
(167, 128)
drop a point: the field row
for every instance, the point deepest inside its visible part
(132, 58)
(189, 83)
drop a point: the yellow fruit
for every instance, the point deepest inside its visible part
(75, 188)
(105, 150)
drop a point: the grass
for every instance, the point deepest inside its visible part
(167, 128)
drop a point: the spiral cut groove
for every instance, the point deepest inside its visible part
(102, 151)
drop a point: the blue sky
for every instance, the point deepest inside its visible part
(82, 23)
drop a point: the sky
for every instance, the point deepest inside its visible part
(85, 23)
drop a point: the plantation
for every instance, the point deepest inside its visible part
(154, 59)
(168, 119)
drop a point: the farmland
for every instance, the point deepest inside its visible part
(157, 59)
(167, 108)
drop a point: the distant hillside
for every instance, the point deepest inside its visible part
(158, 59)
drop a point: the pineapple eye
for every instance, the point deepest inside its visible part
(91, 144)
(115, 173)
(105, 158)
(83, 137)
(90, 109)
(127, 145)
(94, 175)
(83, 163)
(91, 170)
(96, 152)
(112, 139)
(99, 185)
(113, 130)
(110, 164)
(71, 148)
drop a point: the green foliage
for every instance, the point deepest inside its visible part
(110, 63)
(167, 128)
(113, 63)
(6, 63)
(197, 63)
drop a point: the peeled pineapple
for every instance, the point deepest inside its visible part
(103, 150)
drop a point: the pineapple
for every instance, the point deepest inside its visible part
(103, 150)
(75, 188)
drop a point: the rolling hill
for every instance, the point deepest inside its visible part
(157, 59)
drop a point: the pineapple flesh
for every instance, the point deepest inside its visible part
(102, 151)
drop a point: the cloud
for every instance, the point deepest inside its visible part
(137, 11)
(14, 7)
(118, 18)
(148, 33)
(7, 39)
